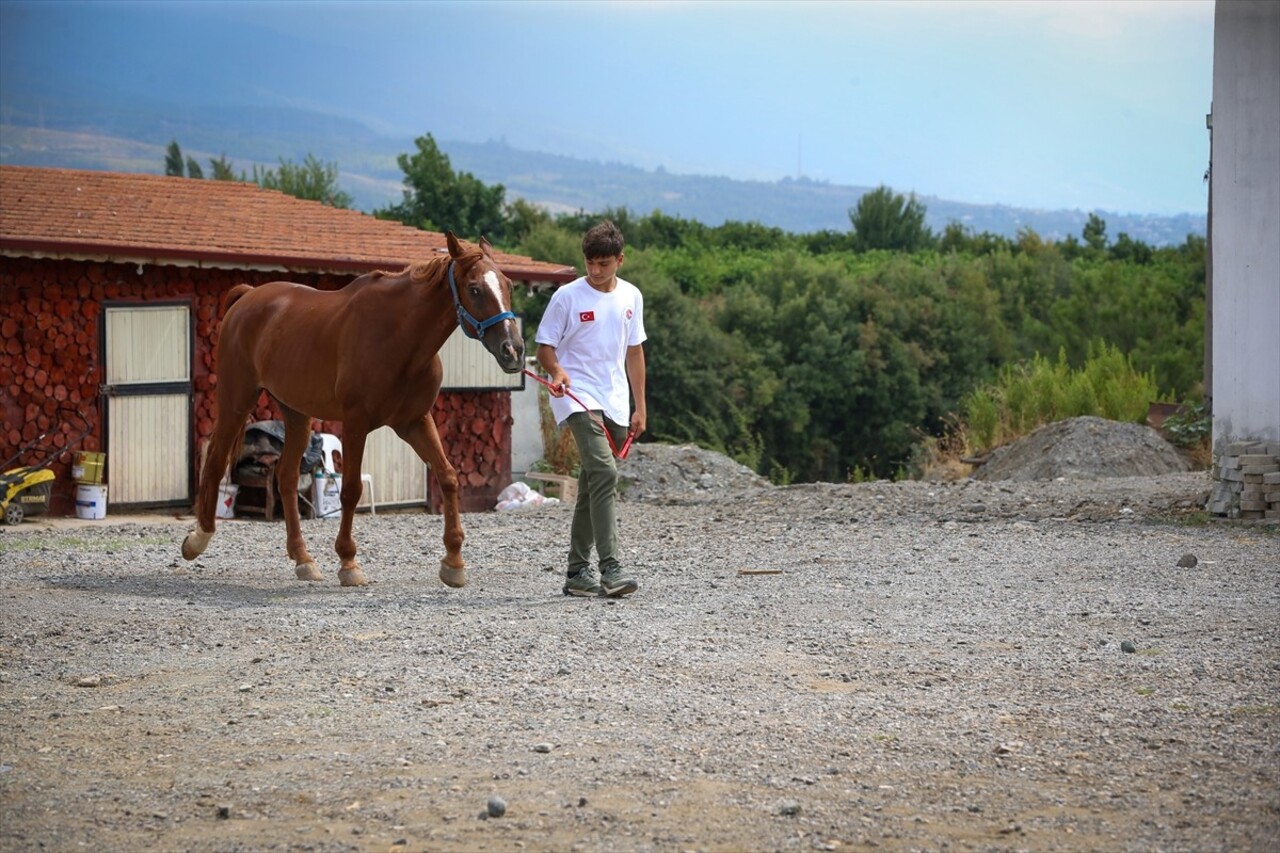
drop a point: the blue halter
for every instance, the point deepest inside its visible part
(465, 318)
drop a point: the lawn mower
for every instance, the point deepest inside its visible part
(26, 489)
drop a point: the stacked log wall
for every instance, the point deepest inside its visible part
(475, 428)
(50, 371)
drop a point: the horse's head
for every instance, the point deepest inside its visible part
(482, 295)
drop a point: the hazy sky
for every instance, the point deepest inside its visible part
(1037, 103)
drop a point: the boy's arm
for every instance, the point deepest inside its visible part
(551, 364)
(636, 376)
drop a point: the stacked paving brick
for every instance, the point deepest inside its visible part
(1248, 475)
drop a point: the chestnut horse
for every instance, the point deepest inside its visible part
(366, 355)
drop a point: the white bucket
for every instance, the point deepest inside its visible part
(326, 496)
(91, 501)
(227, 500)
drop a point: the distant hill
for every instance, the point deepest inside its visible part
(50, 131)
(800, 206)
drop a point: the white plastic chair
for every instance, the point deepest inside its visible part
(331, 444)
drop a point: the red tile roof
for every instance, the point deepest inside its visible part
(157, 219)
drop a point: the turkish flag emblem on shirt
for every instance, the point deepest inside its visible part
(587, 317)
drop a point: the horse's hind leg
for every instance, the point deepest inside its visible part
(297, 433)
(424, 438)
(227, 437)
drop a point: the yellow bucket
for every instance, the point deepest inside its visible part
(88, 467)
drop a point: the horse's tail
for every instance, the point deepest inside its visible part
(233, 295)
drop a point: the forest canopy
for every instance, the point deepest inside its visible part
(834, 355)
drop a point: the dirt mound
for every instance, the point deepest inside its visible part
(1085, 447)
(679, 472)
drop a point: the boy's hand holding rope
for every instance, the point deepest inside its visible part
(563, 391)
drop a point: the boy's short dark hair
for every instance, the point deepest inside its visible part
(602, 241)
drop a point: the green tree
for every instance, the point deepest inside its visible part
(176, 166)
(436, 198)
(551, 243)
(955, 238)
(1127, 249)
(173, 163)
(582, 220)
(826, 241)
(833, 385)
(658, 230)
(1095, 233)
(312, 180)
(221, 169)
(522, 217)
(750, 235)
(884, 219)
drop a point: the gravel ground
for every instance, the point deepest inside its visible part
(913, 666)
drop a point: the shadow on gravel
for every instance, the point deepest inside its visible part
(187, 591)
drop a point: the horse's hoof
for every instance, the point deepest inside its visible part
(351, 577)
(308, 572)
(195, 543)
(451, 576)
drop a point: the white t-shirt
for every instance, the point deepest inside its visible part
(591, 331)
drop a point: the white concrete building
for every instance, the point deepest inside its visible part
(1244, 224)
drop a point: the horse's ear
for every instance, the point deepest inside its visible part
(455, 248)
(485, 246)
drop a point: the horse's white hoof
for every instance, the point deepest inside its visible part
(351, 577)
(451, 576)
(308, 572)
(195, 543)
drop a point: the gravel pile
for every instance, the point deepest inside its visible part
(1084, 447)
(683, 473)
(969, 666)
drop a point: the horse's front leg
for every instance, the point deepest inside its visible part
(228, 437)
(297, 434)
(423, 437)
(353, 438)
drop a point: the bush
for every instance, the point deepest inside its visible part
(1190, 427)
(1029, 395)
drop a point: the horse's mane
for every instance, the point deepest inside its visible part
(430, 269)
(424, 270)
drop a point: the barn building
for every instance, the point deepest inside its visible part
(110, 292)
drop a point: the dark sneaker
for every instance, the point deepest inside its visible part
(585, 583)
(615, 584)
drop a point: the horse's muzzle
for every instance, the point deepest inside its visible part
(510, 356)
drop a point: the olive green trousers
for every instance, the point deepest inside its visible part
(595, 518)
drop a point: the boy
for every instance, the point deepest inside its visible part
(590, 341)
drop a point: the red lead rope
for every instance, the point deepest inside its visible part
(626, 445)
